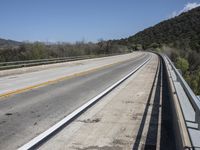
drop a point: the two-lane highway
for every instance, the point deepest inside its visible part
(27, 114)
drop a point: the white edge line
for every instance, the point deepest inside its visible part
(55, 127)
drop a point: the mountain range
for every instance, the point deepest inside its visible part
(8, 43)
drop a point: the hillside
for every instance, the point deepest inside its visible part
(182, 31)
(179, 37)
(8, 43)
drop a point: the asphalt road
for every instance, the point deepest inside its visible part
(115, 123)
(25, 115)
(31, 76)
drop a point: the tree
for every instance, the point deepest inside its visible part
(182, 63)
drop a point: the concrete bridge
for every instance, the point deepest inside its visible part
(131, 101)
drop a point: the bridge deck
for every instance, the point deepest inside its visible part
(121, 120)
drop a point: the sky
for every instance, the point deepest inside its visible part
(83, 20)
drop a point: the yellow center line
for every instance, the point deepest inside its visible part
(7, 94)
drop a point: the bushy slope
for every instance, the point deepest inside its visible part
(182, 31)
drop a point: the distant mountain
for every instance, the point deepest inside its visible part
(8, 43)
(182, 31)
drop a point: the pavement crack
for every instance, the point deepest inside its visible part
(119, 142)
(90, 120)
(8, 114)
(2, 122)
(128, 102)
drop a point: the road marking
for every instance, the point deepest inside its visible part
(18, 91)
(43, 136)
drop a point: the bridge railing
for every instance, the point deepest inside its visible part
(188, 91)
(185, 108)
(28, 63)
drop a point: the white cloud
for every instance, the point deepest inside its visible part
(186, 8)
(174, 14)
(189, 6)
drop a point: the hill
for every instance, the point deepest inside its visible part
(179, 37)
(8, 43)
(182, 31)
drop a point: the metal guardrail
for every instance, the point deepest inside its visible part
(198, 97)
(40, 60)
(190, 94)
(28, 63)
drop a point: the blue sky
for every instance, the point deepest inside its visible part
(76, 20)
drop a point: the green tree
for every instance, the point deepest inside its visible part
(182, 63)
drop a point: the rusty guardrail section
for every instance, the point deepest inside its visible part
(185, 109)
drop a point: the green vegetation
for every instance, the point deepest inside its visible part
(194, 80)
(178, 37)
(182, 64)
(39, 50)
(182, 32)
(189, 63)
